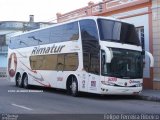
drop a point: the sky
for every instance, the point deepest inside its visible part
(43, 10)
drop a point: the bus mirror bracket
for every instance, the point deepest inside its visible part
(109, 54)
(150, 57)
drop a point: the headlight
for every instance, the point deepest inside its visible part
(139, 85)
(107, 83)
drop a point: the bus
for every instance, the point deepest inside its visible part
(95, 54)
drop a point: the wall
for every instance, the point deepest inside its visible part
(156, 42)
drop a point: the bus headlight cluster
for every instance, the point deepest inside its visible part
(139, 85)
(107, 83)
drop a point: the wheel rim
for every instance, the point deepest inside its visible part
(74, 87)
(25, 82)
(19, 80)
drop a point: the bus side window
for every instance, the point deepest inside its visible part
(43, 62)
(94, 64)
(64, 32)
(71, 62)
(86, 61)
(90, 45)
(88, 30)
(42, 37)
(60, 62)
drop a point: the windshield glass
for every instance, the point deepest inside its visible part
(115, 31)
(124, 64)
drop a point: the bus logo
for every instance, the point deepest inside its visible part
(132, 81)
(113, 79)
(12, 65)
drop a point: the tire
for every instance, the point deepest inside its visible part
(72, 86)
(25, 81)
(18, 80)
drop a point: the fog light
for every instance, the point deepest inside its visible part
(139, 85)
(102, 89)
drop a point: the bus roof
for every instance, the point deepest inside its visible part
(74, 20)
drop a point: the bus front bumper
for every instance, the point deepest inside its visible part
(113, 90)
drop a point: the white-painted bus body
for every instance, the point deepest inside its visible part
(87, 82)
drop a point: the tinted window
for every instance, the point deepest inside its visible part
(43, 62)
(91, 63)
(128, 66)
(31, 39)
(117, 31)
(60, 33)
(19, 42)
(86, 61)
(14, 42)
(88, 30)
(26, 41)
(61, 62)
(65, 32)
(40, 37)
(71, 62)
(140, 32)
(94, 63)
(90, 45)
(110, 30)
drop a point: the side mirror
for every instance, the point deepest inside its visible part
(143, 52)
(109, 54)
(150, 57)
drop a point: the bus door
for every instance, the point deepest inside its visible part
(94, 72)
(93, 83)
(84, 81)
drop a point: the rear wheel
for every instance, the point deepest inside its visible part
(72, 86)
(18, 80)
(25, 81)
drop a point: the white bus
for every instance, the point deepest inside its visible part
(99, 55)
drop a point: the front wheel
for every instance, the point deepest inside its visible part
(72, 87)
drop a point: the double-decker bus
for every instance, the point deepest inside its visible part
(98, 55)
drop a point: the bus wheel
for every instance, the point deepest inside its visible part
(25, 81)
(72, 86)
(18, 80)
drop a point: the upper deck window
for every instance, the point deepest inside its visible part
(118, 32)
(65, 32)
(88, 30)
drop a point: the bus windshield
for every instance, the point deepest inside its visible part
(124, 64)
(116, 31)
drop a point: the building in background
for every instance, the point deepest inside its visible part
(144, 14)
(10, 28)
(155, 36)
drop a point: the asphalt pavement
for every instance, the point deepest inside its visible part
(150, 95)
(56, 103)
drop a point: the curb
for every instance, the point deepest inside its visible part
(149, 98)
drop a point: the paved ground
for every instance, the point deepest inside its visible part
(50, 101)
(150, 95)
